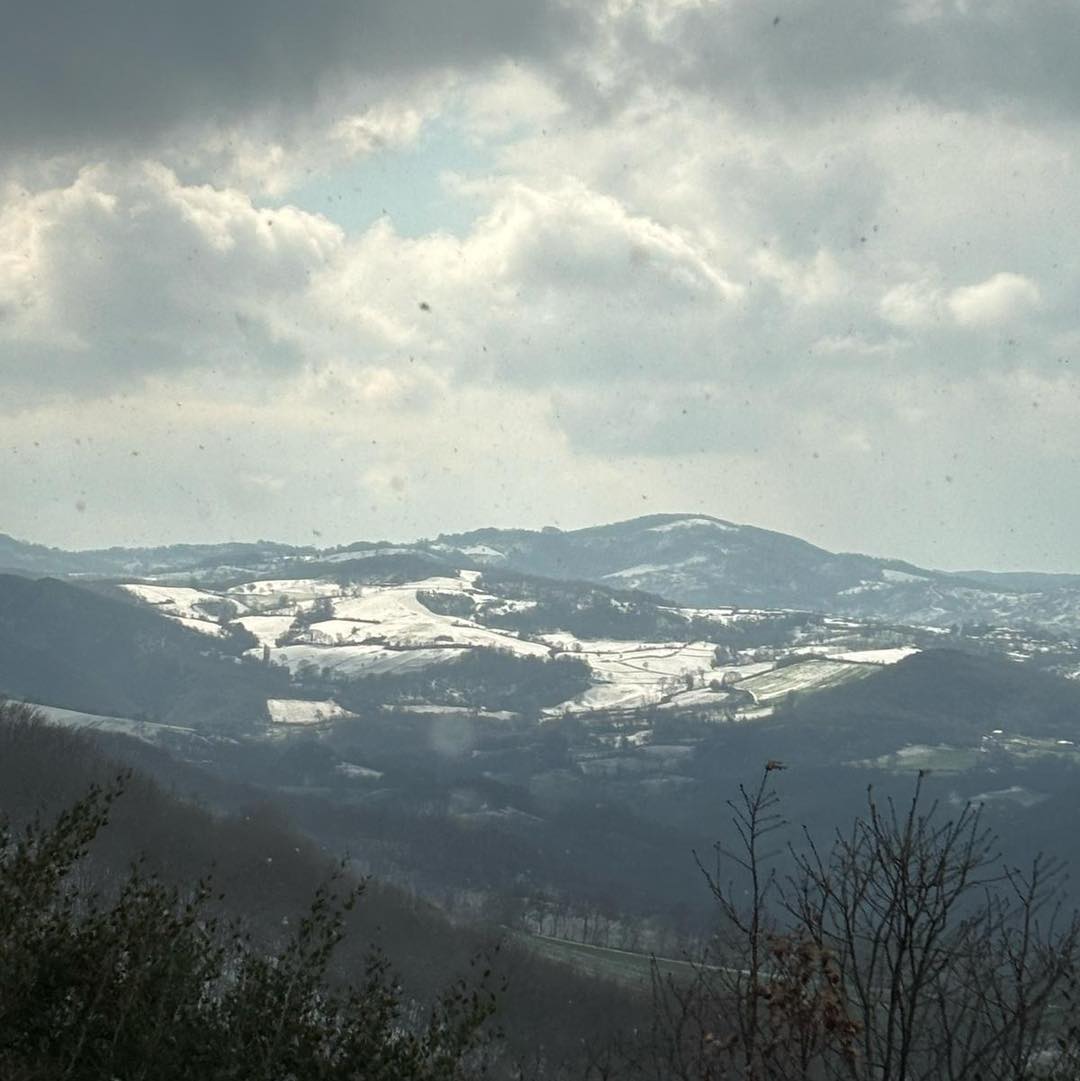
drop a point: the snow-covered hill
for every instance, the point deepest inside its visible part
(692, 560)
(699, 560)
(340, 631)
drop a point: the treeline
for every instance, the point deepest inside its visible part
(252, 878)
(906, 948)
(482, 679)
(589, 611)
(97, 651)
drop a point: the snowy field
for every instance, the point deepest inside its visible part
(267, 629)
(147, 731)
(354, 661)
(397, 614)
(875, 656)
(631, 675)
(809, 675)
(196, 609)
(303, 711)
(392, 614)
(354, 631)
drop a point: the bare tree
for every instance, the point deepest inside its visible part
(906, 951)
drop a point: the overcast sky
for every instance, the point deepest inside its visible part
(388, 268)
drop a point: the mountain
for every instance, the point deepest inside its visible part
(689, 560)
(697, 560)
(21, 557)
(531, 738)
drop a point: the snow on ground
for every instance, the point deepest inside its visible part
(397, 614)
(303, 711)
(875, 656)
(434, 709)
(373, 629)
(267, 629)
(349, 661)
(482, 551)
(366, 553)
(359, 773)
(891, 575)
(271, 593)
(144, 730)
(808, 675)
(505, 606)
(727, 614)
(381, 629)
(203, 626)
(639, 569)
(182, 602)
(643, 570)
(192, 608)
(730, 676)
(692, 523)
(634, 674)
(393, 614)
(340, 632)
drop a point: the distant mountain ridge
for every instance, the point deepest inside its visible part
(706, 561)
(689, 559)
(692, 559)
(23, 557)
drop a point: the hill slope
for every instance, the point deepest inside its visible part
(64, 645)
(699, 560)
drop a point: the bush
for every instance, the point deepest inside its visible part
(144, 981)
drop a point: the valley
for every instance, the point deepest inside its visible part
(547, 751)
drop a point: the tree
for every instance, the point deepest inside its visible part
(903, 952)
(147, 982)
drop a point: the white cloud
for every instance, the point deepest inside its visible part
(1001, 298)
(125, 271)
(924, 303)
(914, 305)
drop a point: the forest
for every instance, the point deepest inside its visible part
(144, 936)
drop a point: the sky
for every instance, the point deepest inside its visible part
(359, 269)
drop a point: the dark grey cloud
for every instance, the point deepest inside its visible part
(123, 70)
(809, 56)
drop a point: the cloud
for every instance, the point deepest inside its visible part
(553, 284)
(696, 254)
(121, 74)
(914, 305)
(1001, 298)
(124, 272)
(816, 56)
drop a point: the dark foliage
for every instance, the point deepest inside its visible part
(482, 679)
(64, 645)
(146, 982)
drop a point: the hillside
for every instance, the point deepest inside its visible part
(689, 560)
(267, 873)
(69, 646)
(705, 561)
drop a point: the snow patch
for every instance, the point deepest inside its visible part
(875, 656)
(303, 711)
(692, 523)
(902, 576)
(267, 629)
